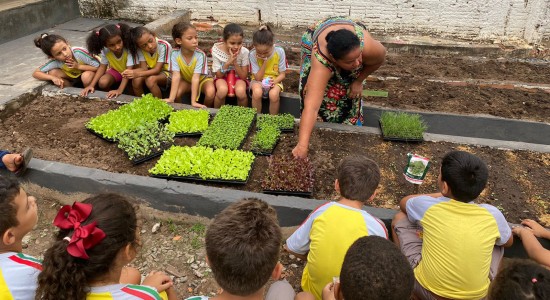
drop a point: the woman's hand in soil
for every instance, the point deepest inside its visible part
(536, 228)
(300, 151)
(113, 94)
(356, 89)
(87, 90)
(198, 105)
(58, 81)
(158, 280)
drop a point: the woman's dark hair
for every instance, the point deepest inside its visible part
(46, 41)
(263, 36)
(341, 42)
(232, 29)
(133, 36)
(179, 29)
(66, 277)
(521, 279)
(9, 189)
(97, 39)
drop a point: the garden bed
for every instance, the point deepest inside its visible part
(54, 128)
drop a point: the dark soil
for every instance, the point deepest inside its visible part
(54, 128)
(419, 94)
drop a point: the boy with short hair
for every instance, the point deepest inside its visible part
(375, 269)
(325, 236)
(451, 242)
(18, 215)
(243, 244)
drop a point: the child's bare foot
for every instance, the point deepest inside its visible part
(17, 163)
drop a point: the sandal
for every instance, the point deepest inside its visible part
(27, 156)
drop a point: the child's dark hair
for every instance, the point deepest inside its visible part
(133, 36)
(358, 177)
(341, 42)
(263, 36)
(465, 174)
(9, 189)
(374, 268)
(521, 279)
(67, 277)
(232, 29)
(243, 244)
(46, 41)
(179, 29)
(97, 39)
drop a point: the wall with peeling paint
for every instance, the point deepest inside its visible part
(471, 19)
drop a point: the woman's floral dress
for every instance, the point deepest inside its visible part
(336, 106)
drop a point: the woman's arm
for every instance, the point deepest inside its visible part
(374, 54)
(314, 92)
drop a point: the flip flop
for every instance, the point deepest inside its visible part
(27, 156)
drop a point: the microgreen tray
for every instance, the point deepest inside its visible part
(199, 179)
(100, 136)
(139, 160)
(398, 139)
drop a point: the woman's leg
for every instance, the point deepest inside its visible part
(221, 92)
(274, 99)
(257, 93)
(154, 82)
(240, 92)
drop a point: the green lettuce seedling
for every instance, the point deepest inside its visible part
(145, 139)
(266, 138)
(229, 128)
(282, 121)
(189, 121)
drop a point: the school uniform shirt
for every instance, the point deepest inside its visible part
(81, 55)
(107, 57)
(327, 234)
(162, 55)
(197, 298)
(197, 65)
(125, 292)
(18, 276)
(219, 57)
(276, 63)
(458, 241)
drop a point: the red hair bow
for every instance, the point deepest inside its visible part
(84, 237)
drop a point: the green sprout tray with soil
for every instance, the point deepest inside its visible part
(402, 127)
(518, 180)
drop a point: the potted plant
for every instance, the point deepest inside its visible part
(288, 176)
(400, 126)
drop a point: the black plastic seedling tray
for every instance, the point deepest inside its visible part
(398, 139)
(288, 193)
(100, 136)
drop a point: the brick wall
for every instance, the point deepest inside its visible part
(471, 19)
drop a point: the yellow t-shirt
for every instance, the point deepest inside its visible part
(327, 234)
(118, 63)
(162, 55)
(197, 65)
(276, 63)
(458, 241)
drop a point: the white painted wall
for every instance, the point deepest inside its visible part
(471, 19)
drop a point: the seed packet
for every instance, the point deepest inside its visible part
(416, 168)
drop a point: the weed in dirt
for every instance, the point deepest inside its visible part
(198, 228)
(196, 242)
(172, 227)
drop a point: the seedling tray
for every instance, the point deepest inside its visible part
(288, 130)
(100, 136)
(190, 134)
(242, 142)
(398, 139)
(199, 179)
(288, 193)
(137, 161)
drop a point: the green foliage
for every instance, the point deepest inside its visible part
(205, 163)
(145, 139)
(198, 228)
(282, 121)
(417, 168)
(229, 128)
(189, 121)
(402, 125)
(116, 123)
(266, 138)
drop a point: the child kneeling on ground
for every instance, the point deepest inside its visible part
(328, 232)
(243, 244)
(452, 243)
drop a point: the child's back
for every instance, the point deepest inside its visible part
(330, 230)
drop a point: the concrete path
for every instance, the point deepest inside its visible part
(19, 58)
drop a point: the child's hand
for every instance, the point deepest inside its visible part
(158, 280)
(129, 73)
(167, 100)
(198, 105)
(113, 94)
(58, 81)
(328, 292)
(87, 90)
(71, 63)
(537, 229)
(233, 57)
